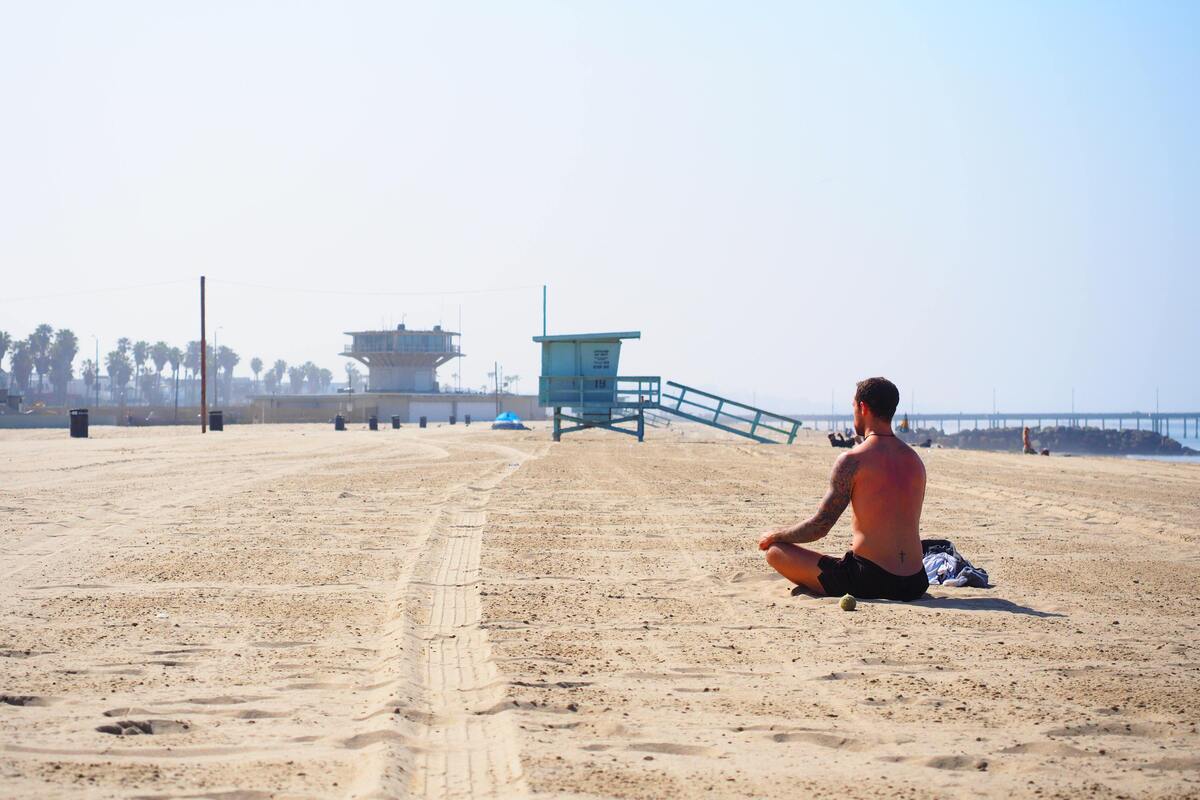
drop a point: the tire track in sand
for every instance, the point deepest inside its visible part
(469, 751)
(449, 741)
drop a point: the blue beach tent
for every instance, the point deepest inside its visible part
(508, 421)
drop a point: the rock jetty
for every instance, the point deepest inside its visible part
(1059, 439)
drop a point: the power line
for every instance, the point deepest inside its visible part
(102, 290)
(273, 288)
(436, 293)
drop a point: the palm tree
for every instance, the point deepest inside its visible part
(296, 377)
(140, 352)
(175, 358)
(120, 368)
(312, 376)
(88, 370)
(270, 382)
(352, 376)
(326, 379)
(123, 345)
(62, 356)
(256, 366)
(191, 362)
(21, 363)
(280, 368)
(160, 354)
(213, 370)
(5, 343)
(39, 349)
(227, 360)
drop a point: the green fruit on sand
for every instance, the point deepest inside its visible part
(848, 603)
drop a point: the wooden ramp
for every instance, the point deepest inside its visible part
(727, 415)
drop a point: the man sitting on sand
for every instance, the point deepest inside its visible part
(883, 480)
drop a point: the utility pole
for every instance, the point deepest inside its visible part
(543, 309)
(496, 378)
(203, 366)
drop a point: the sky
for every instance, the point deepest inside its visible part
(783, 198)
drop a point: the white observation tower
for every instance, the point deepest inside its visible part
(403, 360)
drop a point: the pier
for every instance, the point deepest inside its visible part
(1182, 422)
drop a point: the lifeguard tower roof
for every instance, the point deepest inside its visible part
(590, 337)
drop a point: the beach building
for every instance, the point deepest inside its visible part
(401, 381)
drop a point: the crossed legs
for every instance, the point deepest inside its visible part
(797, 564)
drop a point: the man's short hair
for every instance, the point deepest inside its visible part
(880, 395)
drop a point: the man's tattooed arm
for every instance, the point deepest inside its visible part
(834, 503)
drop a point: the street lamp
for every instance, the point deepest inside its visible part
(96, 368)
(216, 368)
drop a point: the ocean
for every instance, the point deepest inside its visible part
(1188, 442)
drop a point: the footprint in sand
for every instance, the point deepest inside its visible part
(223, 700)
(1106, 729)
(833, 741)
(148, 727)
(1046, 749)
(672, 749)
(957, 763)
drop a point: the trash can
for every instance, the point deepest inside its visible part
(395, 420)
(373, 423)
(216, 420)
(79, 423)
(467, 420)
(339, 423)
(423, 422)
(453, 419)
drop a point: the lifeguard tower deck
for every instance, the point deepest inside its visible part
(579, 373)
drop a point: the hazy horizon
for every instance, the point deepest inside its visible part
(782, 202)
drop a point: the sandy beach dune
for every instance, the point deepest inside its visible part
(287, 611)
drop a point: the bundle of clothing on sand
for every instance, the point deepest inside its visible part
(945, 566)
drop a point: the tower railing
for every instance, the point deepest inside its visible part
(350, 350)
(586, 392)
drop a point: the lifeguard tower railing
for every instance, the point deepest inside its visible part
(584, 393)
(728, 415)
(600, 402)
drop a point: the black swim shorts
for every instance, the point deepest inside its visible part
(867, 580)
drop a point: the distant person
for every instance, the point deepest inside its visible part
(837, 440)
(883, 480)
(1029, 451)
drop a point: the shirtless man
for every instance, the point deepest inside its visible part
(883, 479)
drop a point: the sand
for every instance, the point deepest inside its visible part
(287, 611)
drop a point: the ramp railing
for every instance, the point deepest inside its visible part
(728, 415)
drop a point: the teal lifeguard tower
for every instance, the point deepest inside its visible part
(579, 373)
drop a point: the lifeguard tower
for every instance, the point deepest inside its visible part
(579, 373)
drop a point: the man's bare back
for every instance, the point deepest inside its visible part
(883, 480)
(887, 495)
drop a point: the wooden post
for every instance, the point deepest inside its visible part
(203, 366)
